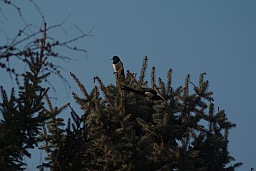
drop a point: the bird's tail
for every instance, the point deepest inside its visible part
(132, 90)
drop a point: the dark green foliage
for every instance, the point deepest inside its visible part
(27, 122)
(117, 130)
(61, 144)
(23, 117)
(125, 131)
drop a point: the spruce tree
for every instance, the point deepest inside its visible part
(23, 115)
(26, 120)
(126, 131)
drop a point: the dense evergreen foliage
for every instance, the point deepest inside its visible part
(125, 131)
(117, 130)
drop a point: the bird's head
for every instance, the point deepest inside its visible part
(115, 58)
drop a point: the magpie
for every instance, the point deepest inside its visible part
(118, 65)
(144, 91)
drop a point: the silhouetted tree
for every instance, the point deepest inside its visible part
(126, 131)
(24, 115)
(117, 130)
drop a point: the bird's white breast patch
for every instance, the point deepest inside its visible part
(117, 66)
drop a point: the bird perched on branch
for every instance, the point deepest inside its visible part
(118, 65)
(150, 93)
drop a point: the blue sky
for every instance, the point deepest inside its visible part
(216, 37)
